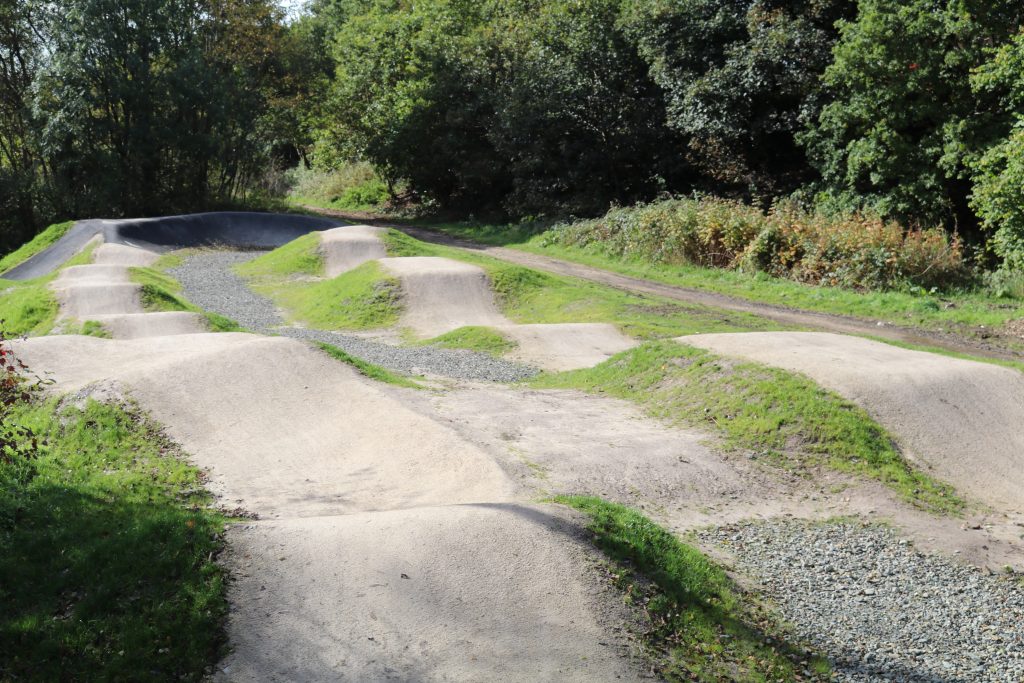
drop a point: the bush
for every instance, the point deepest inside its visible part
(351, 186)
(849, 250)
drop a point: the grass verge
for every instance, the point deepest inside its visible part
(106, 553)
(29, 307)
(701, 626)
(161, 292)
(530, 296)
(475, 338)
(974, 314)
(367, 369)
(781, 416)
(36, 245)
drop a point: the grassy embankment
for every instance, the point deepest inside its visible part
(107, 547)
(29, 307)
(700, 625)
(779, 417)
(161, 292)
(972, 312)
(367, 298)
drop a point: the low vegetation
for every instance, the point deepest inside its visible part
(374, 372)
(475, 338)
(775, 415)
(701, 626)
(161, 292)
(353, 186)
(529, 296)
(107, 546)
(986, 310)
(29, 307)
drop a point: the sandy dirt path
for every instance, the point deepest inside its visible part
(389, 546)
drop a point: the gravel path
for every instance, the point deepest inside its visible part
(208, 282)
(881, 610)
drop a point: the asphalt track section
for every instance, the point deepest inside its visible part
(239, 229)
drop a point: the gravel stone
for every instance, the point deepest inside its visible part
(878, 608)
(208, 281)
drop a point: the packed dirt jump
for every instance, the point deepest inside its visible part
(960, 420)
(396, 535)
(441, 295)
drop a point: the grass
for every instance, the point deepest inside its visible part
(301, 256)
(374, 372)
(29, 307)
(962, 312)
(363, 298)
(161, 292)
(475, 338)
(782, 416)
(36, 245)
(701, 626)
(107, 542)
(530, 296)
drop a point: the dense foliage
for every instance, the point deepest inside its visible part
(907, 110)
(129, 107)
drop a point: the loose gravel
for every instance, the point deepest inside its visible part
(878, 608)
(208, 281)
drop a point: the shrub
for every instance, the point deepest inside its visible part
(350, 186)
(850, 250)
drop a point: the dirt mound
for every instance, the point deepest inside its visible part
(313, 438)
(566, 346)
(962, 421)
(376, 565)
(468, 593)
(162, 324)
(348, 247)
(441, 295)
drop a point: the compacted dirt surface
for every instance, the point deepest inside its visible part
(402, 535)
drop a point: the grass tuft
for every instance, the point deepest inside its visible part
(701, 627)
(782, 416)
(367, 369)
(475, 338)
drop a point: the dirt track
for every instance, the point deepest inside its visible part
(400, 538)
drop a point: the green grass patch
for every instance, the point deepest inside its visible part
(161, 292)
(107, 542)
(973, 313)
(28, 307)
(38, 243)
(702, 627)
(783, 416)
(370, 370)
(362, 298)
(475, 338)
(530, 296)
(301, 256)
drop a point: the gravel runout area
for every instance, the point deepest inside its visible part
(878, 608)
(208, 282)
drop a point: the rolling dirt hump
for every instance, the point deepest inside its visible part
(350, 246)
(962, 421)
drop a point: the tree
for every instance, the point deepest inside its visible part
(904, 124)
(998, 196)
(740, 78)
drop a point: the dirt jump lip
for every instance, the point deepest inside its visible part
(239, 229)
